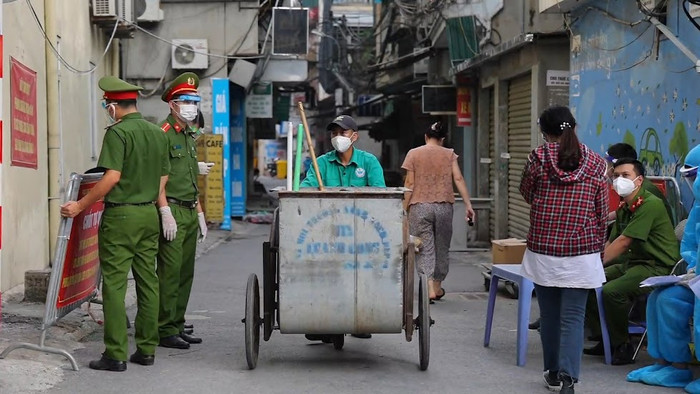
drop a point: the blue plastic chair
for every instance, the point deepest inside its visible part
(511, 272)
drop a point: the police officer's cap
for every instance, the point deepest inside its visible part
(344, 121)
(185, 83)
(116, 89)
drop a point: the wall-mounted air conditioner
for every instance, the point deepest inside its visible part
(148, 11)
(190, 53)
(126, 11)
(104, 8)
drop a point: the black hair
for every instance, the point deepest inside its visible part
(124, 103)
(638, 166)
(559, 122)
(437, 131)
(622, 150)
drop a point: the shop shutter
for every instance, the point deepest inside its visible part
(519, 146)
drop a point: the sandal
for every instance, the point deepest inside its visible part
(438, 297)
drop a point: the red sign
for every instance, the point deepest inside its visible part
(464, 107)
(81, 268)
(23, 118)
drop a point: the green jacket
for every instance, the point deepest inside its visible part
(653, 239)
(182, 151)
(363, 170)
(137, 149)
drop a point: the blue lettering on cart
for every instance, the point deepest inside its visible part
(343, 232)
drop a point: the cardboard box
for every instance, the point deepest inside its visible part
(508, 251)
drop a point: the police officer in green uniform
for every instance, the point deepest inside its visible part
(134, 156)
(181, 215)
(346, 165)
(642, 244)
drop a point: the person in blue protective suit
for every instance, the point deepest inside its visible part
(669, 309)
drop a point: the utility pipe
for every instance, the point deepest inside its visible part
(53, 119)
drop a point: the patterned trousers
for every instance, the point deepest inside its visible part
(432, 223)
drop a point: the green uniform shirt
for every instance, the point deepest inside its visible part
(363, 170)
(182, 182)
(651, 187)
(137, 149)
(653, 239)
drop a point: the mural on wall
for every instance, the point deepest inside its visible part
(630, 86)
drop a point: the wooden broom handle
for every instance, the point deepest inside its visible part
(311, 145)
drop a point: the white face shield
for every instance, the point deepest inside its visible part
(689, 173)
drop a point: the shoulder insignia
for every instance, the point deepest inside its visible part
(165, 127)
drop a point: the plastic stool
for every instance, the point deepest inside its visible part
(511, 272)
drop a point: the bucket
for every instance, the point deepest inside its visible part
(281, 169)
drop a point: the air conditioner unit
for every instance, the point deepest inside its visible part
(126, 11)
(190, 53)
(104, 8)
(148, 11)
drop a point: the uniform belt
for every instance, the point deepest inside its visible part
(186, 204)
(121, 204)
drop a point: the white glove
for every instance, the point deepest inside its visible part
(202, 227)
(204, 168)
(169, 224)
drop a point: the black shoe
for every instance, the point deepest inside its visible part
(189, 338)
(567, 385)
(107, 364)
(138, 358)
(175, 342)
(551, 380)
(597, 350)
(362, 336)
(319, 337)
(623, 354)
(535, 325)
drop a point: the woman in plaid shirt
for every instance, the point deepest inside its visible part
(564, 183)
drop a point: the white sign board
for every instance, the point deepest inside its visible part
(258, 104)
(557, 78)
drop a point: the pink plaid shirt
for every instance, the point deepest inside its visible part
(568, 210)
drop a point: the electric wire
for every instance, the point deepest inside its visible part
(686, 11)
(625, 45)
(60, 58)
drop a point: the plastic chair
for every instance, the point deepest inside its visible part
(511, 272)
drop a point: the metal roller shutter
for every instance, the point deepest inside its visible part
(519, 146)
(492, 167)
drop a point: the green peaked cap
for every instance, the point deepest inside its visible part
(185, 83)
(117, 89)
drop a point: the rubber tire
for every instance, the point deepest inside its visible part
(338, 341)
(423, 323)
(252, 321)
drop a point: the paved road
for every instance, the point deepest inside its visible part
(384, 364)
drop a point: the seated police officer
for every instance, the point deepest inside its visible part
(642, 244)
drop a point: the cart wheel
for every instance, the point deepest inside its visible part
(423, 321)
(338, 341)
(252, 321)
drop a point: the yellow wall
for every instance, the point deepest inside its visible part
(28, 233)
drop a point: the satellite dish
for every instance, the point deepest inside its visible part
(184, 54)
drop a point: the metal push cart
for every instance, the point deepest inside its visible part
(338, 262)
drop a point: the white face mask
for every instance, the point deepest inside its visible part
(623, 186)
(188, 112)
(341, 143)
(110, 108)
